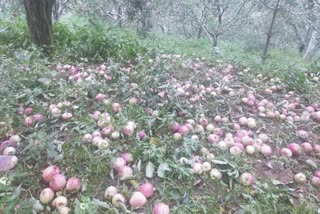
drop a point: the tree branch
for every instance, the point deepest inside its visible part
(227, 24)
(64, 5)
(265, 4)
(295, 30)
(111, 15)
(286, 10)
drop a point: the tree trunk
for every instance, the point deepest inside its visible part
(212, 37)
(120, 12)
(185, 31)
(269, 34)
(301, 40)
(162, 27)
(219, 11)
(142, 29)
(301, 48)
(312, 46)
(38, 13)
(214, 41)
(142, 25)
(199, 32)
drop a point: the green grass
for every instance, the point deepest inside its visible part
(77, 39)
(184, 193)
(288, 65)
(28, 77)
(180, 45)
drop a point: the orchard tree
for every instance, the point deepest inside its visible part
(115, 11)
(303, 18)
(38, 13)
(112, 12)
(214, 17)
(312, 25)
(59, 7)
(10, 7)
(163, 15)
(140, 11)
(186, 23)
(275, 9)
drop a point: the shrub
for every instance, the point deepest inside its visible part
(93, 42)
(14, 33)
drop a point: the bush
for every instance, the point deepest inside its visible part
(14, 33)
(90, 41)
(95, 42)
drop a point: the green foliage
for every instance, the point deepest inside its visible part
(14, 33)
(18, 80)
(180, 45)
(98, 43)
(62, 35)
(87, 40)
(92, 42)
(95, 42)
(294, 78)
(26, 77)
(287, 65)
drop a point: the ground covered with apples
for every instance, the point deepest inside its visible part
(169, 134)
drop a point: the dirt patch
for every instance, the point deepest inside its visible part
(274, 170)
